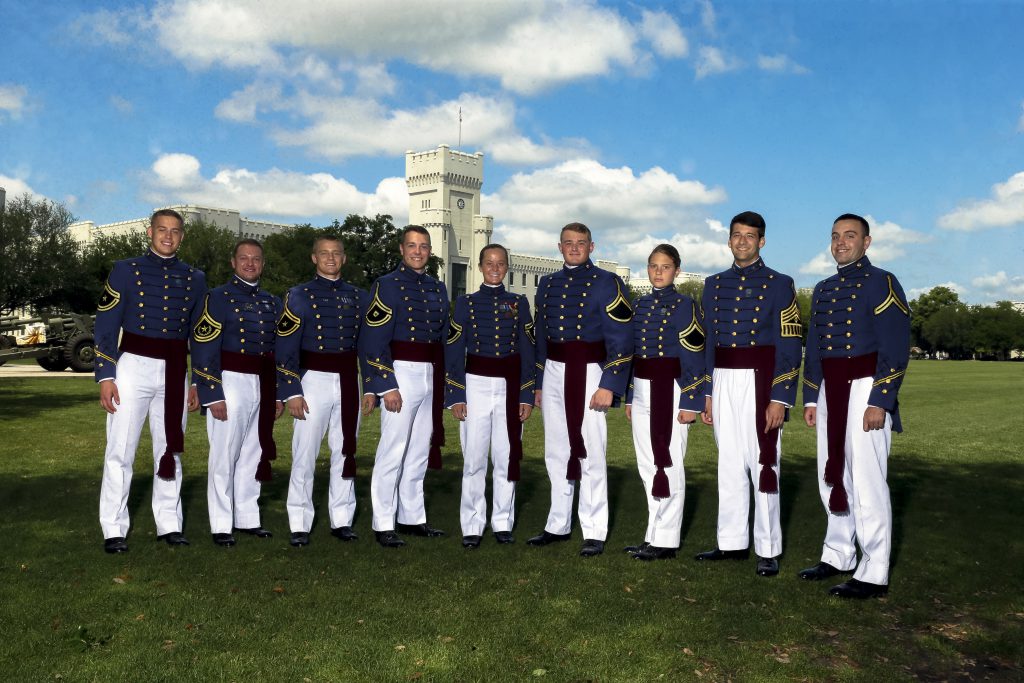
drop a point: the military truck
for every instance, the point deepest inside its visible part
(56, 342)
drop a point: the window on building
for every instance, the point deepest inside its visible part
(511, 279)
(524, 279)
(536, 279)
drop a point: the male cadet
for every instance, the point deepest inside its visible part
(151, 302)
(233, 369)
(584, 334)
(402, 354)
(489, 358)
(858, 347)
(752, 357)
(318, 379)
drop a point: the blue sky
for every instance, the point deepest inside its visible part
(649, 122)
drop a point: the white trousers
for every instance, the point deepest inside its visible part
(593, 504)
(733, 410)
(664, 515)
(484, 430)
(232, 492)
(869, 521)
(322, 391)
(401, 461)
(140, 385)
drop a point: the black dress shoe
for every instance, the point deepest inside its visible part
(299, 538)
(822, 570)
(634, 549)
(653, 552)
(716, 554)
(116, 544)
(767, 566)
(224, 540)
(591, 548)
(257, 531)
(858, 590)
(470, 542)
(389, 539)
(173, 538)
(419, 530)
(504, 537)
(546, 538)
(344, 533)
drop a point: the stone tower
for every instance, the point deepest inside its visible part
(444, 197)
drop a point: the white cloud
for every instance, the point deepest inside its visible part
(1000, 285)
(12, 100)
(888, 243)
(712, 61)
(707, 17)
(918, 291)
(780, 64)
(243, 105)
(16, 187)
(1004, 209)
(178, 178)
(664, 34)
(717, 226)
(122, 105)
(821, 264)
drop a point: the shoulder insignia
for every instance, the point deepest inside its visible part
(692, 338)
(891, 300)
(377, 314)
(530, 333)
(619, 309)
(109, 298)
(454, 331)
(207, 329)
(288, 322)
(789, 321)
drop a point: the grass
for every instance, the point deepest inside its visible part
(340, 612)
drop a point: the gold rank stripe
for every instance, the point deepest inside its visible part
(618, 361)
(454, 383)
(379, 366)
(891, 300)
(105, 357)
(890, 378)
(809, 383)
(692, 386)
(785, 377)
(287, 373)
(540, 366)
(206, 376)
(707, 378)
(527, 385)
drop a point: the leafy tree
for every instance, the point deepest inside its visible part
(691, 288)
(927, 305)
(208, 247)
(95, 262)
(997, 330)
(948, 329)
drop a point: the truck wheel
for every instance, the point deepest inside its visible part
(6, 342)
(54, 362)
(80, 352)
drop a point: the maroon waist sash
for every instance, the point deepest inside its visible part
(576, 355)
(433, 353)
(838, 373)
(174, 353)
(662, 373)
(263, 366)
(760, 359)
(343, 364)
(509, 369)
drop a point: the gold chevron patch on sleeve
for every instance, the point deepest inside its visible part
(789, 320)
(531, 334)
(692, 338)
(454, 331)
(288, 322)
(207, 329)
(619, 309)
(377, 314)
(892, 300)
(109, 298)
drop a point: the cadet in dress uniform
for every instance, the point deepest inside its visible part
(489, 358)
(858, 347)
(318, 379)
(234, 371)
(584, 333)
(151, 302)
(402, 355)
(753, 357)
(668, 376)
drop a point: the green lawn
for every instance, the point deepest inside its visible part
(339, 612)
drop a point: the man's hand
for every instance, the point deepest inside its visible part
(393, 401)
(369, 403)
(774, 416)
(219, 410)
(874, 418)
(811, 415)
(524, 411)
(601, 400)
(459, 411)
(109, 398)
(193, 399)
(686, 417)
(706, 416)
(298, 408)
(536, 398)
(278, 409)
(629, 412)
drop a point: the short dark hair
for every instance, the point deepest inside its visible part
(418, 229)
(170, 213)
(751, 219)
(248, 241)
(576, 227)
(328, 237)
(494, 245)
(854, 217)
(667, 250)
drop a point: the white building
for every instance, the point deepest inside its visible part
(229, 219)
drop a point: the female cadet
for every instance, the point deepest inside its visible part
(668, 375)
